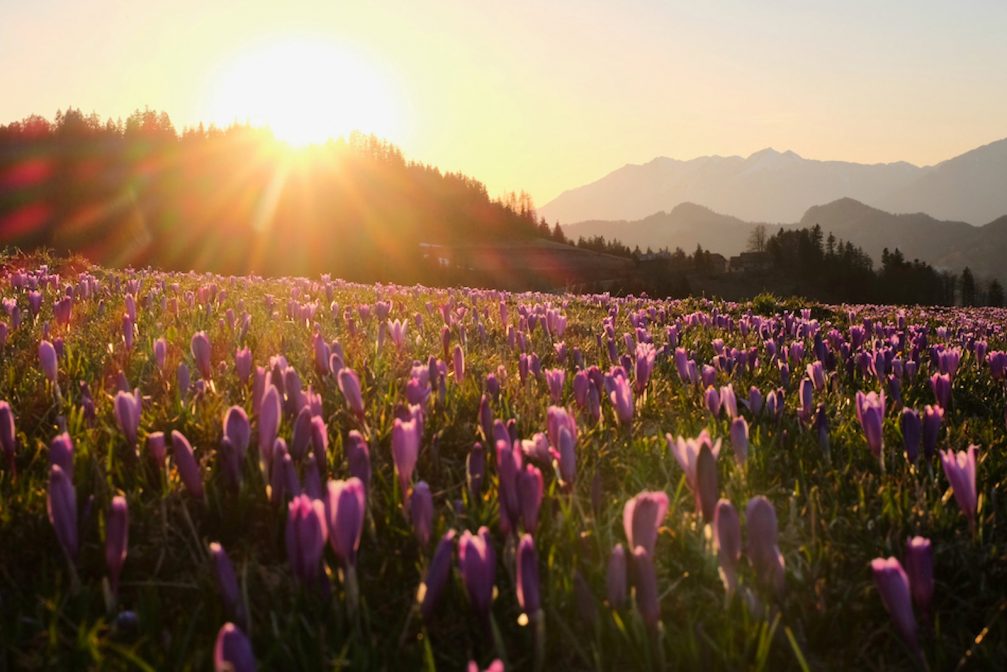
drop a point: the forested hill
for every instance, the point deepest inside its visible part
(235, 200)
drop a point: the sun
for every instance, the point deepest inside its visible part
(306, 91)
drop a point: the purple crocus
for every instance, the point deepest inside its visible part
(156, 447)
(920, 569)
(642, 517)
(477, 562)
(621, 396)
(232, 651)
(421, 513)
(763, 551)
(933, 416)
(727, 543)
(405, 450)
(160, 353)
(893, 587)
(358, 457)
(871, 415)
(940, 383)
(243, 364)
(739, 439)
(712, 400)
(438, 576)
(269, 422)
(116, 540)
(615, 577)
(349, 385)
(61, 453)
(707, 489)
(227, 580)
(200, 348)
(47, 360)
(459, 364)
(185, 462)
(305, 537)
(912, 432)
(345, 505)
(237, 430)
(127, 415)
(8, 437)
(527, 577)
(686, 452)
(960, 469)
(645, 583)
(61, 503)
(529, 493)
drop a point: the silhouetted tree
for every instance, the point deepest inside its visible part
(995, 295)
(968, 288)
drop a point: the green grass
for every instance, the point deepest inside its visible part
(836, 512)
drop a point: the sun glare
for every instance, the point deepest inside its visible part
(306, 92)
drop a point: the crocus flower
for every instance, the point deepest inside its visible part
(871, 415)
(232, 651)
(566, 458)
(116, 540)
(421, 512)
(478, 567)
(554, 379)
(529, 492)
(61, 453)
(8, 437)
(755, 400)
(156, 448)
(933, 416)
(349, 385)
(47, 360)
(707, 490)
(645, 584)
(61, 504)
(712, 400)
(302, 434)
(358, 457)
(405, 450)
(615, 577)
(622, 400)
(243, 364)
(238, 430)
(941, 386)
(227, 580)
(185, 462)
(893, 586)
(762, 551)
(912, 431)
(920, 570)
(200, 347)
(160, 353)
(739, 439)
(727, 543)
(459, 364)
(806, 395)
(127, 415)
(645, 355)
(816, 374)
(269, 422)
(686, 452)
(305, 537)
(527, 576)
(438, 576)
(642, 517)
(345, 504)
(729, 401)
(960, 469)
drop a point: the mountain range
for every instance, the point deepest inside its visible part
(946, 244)
(772, 186)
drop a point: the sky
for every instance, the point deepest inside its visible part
(540, 96)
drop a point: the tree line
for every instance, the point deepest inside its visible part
(232, 200)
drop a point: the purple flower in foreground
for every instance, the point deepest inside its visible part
(739, 439)
(185, 462)
(349, 385)
(421, 512)
(405, 450)
(127, 415)
(933, 416)
(642, 517)
(305, 537)
(345, 505)
(200, 347)
(920, 569)
(727, 542)
(227, 580)
(8, 437)
(61, 504)
(762, 551)
(232, 651)
(912, 432)
(61, 453)
(622, 399)
(438, 576)
(477, 561)
(960, 469)
(871, 415)
(615, 577)
(47, 360)
(893, 587)
(527, 576)
(645, 582)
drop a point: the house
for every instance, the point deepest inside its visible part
(750, 261)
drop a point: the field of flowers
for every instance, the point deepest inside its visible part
(308, 474)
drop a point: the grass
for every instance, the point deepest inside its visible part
(837, 510)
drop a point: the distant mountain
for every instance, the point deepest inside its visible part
(950, 245)
(777, 186)
(686, 226)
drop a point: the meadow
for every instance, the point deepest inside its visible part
(306, 473)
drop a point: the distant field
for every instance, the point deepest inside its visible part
(389, 477)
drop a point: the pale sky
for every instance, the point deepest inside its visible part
(541, 96)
